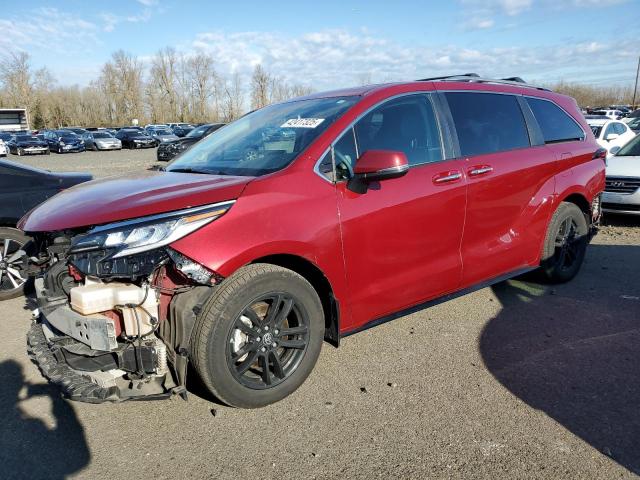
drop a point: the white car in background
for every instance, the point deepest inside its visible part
(610, 134)
(612, 114)
(622, 191)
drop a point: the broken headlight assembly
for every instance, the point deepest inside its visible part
(131, 248)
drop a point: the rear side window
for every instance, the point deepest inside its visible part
(555, 123)
(487, 122)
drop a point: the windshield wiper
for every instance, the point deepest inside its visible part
(192, 170)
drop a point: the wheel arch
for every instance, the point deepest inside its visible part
(319, 281)
(581, 202)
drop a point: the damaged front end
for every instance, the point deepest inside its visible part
(117, 305)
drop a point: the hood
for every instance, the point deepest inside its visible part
(106, 140)
(122, 198)
(623, 166)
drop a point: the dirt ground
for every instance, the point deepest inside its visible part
(519, 380)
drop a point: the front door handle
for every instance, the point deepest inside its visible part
(480, 170)
(447, 177)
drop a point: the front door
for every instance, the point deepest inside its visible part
(401, 239)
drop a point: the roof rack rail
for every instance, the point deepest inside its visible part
(474, 77)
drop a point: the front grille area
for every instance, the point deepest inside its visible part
(622, 184)
(623, 207)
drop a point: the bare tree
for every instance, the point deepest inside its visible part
(261, 87)
(202, 79)
(232, 98)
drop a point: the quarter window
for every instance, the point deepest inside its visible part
(487, 122)
(555, 123)
(407, 124)
(345, 155)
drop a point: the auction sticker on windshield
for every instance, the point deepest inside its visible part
(302, 123)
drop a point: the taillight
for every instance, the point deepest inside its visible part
(601, 153)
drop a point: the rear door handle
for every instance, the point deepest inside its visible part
(447, 177)
(480, 170)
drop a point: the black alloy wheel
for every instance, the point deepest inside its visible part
(258, 336)
(565, 244)
(267, 341)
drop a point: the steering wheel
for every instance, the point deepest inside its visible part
(343, 165)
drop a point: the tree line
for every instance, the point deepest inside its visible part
(172, 87)
(176, 87)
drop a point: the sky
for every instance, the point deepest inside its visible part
(334, 44)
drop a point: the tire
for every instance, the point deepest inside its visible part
(20, 152)
(231, 334)
(565, 244)
(14, 240)
(47, 152)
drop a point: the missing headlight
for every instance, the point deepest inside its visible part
(191, 269)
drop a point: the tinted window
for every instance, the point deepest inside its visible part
(611, 128)
(555, 123)
(406, 124)
(487, 122)
(620, 128)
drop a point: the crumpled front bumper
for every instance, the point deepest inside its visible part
(73, 384)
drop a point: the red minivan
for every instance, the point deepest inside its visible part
(305, 221)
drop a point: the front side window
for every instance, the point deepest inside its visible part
(487, 122)
(611, 128)
(407, 124)
(555, 123)
(264, 141)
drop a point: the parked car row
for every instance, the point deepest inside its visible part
(171, 138)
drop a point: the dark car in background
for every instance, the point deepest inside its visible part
(21, 189)
(134, 138)
(168, 150)
(63, 141)
(181, 129)
(27, 144)
(77, 130)
(5, 136)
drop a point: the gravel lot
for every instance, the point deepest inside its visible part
(515, 381)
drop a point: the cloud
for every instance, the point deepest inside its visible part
(48, 28)
(148, 3)
(336, 58)
(111, 20)
(482, 14)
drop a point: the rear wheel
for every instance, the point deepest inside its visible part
(565, 244)
(20, 152)
(13, 277)
(259, 336)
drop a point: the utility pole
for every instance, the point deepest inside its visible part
(635, 87)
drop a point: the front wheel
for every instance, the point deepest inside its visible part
(259, 336)
(13, 276)
(20, 152)
(565, 244)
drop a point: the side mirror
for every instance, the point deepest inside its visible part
(611, 136)
(375, 166)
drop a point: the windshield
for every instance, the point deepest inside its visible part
(631, 149)
(198, 132)
(264, 141)
(66, 134)
(26, 138)
(163, 131)
(101, 135)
